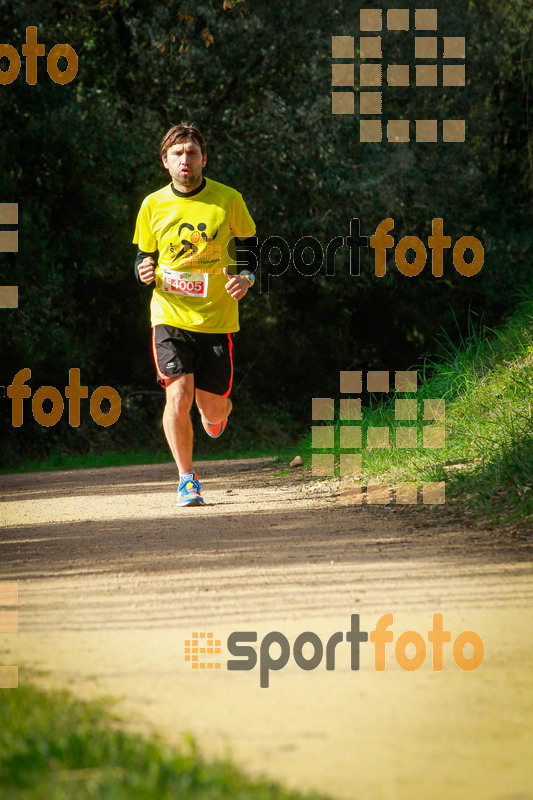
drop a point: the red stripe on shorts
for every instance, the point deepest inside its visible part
(230, 340)
(154, 351)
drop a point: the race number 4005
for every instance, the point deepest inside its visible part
(185, 283)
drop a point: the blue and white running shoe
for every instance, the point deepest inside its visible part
(189, 490)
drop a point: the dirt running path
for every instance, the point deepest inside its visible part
(113, 579)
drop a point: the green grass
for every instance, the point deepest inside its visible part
(487, 461)
(66, 461)
(60, 460)
(256, 431)
(53, 747)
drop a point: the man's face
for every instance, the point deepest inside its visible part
(184, 161)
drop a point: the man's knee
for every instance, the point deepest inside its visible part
(180, 394)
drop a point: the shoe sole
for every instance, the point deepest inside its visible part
(207, 425)
(194, 501)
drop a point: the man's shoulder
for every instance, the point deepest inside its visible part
(159, 196)
(228, 192)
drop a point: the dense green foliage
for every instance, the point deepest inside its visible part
(54, 747)
(256, 78)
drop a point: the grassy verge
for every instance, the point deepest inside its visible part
(487, 459)
(255, 431)
(62, 461)
(59, 460)
(55, 747)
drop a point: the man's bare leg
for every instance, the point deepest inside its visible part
(177, 420)
(213, 407)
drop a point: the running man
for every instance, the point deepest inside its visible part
(185, 235)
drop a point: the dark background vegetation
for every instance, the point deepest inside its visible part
(256, 78)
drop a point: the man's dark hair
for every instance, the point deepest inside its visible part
(179, 133)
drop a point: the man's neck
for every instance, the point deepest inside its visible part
(191, 192)
(184, 189)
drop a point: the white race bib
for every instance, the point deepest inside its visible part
(187, 284)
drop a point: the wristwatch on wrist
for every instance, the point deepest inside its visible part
(250, 277)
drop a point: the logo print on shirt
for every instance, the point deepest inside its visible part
(189, 245)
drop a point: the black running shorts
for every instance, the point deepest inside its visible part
(209, 356)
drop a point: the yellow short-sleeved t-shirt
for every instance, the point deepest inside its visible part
(194, 238)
